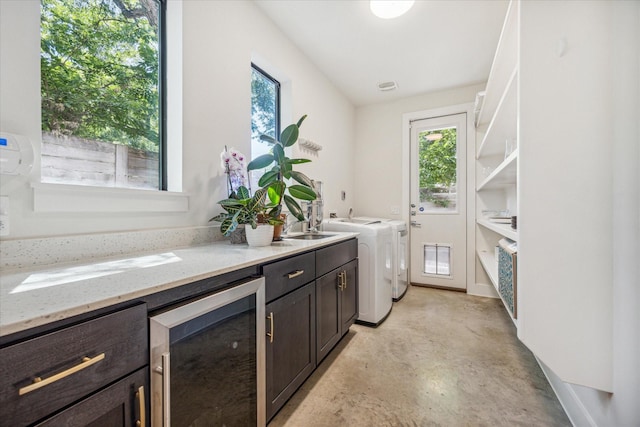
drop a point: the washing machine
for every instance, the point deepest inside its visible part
(374, 267)
(400, 254)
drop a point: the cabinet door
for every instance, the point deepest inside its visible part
(349, 296)
(291, 345)
(328, 325)
(121, 404)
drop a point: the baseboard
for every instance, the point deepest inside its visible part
(482, 290)
(571, 403)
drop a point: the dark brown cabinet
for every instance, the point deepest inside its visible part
(291, 345)
(305, 313)
(337, 306)
(73, 366)
(124, 403)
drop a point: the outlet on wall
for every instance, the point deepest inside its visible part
(395, 210)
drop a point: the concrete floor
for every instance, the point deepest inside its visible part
(441, 358)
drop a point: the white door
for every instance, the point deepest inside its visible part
(438, 202)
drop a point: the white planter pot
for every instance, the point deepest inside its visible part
(260, 236)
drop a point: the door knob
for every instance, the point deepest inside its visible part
(416, 224)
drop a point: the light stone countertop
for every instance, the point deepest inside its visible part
(35, 297)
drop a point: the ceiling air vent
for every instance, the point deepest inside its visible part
(386, 86)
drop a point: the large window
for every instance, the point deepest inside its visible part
(265, 113)
(102, 92)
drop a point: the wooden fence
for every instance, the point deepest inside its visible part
(71, 160)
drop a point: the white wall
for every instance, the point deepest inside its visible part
(580, 134)
(219, 39)
(378, 152)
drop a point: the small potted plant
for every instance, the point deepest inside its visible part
(244, 209)
(273, 180)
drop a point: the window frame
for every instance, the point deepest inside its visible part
(80, 199)
(278, 96)
(163, 162)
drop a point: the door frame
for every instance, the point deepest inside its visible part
(407, 118)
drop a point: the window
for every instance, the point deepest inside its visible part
(265, 113)
(103, 93)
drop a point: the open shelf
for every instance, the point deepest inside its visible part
(504, 175)
(490, 266)
(503, 123)
(502, 229)
(504, 62)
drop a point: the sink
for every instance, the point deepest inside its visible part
(309, 236)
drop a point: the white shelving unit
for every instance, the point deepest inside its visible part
(496, 168)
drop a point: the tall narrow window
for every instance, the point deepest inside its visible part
(102, 92)
(265, 113)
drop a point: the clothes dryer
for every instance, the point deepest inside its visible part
(374, 267)
(400, 254)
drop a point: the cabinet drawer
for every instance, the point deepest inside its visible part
(71, 363)
(334, 256)
(288, 274)
(120, 404)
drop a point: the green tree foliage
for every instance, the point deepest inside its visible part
(263, 105)
(99, 68)
(437, 161)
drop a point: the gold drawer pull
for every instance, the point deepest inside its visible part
(39, 382)
(295, 274)
(142, 422)
(341, 281)
(270, 334)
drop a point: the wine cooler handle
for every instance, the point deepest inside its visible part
(166, 384)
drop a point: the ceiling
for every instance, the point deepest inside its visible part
(438, 44)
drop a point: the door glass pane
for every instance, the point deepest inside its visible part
(213, 367)
(437, 163)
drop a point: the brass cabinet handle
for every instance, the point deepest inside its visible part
(295, 274)
(141, 403)
(341, 280)
(39, 382)
(344, 279)
(270, 333)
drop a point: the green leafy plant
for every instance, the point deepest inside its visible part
(273, 180)
(241, 209)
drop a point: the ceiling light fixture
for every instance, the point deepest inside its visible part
(434, 136)
(388, 9)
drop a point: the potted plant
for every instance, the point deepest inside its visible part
(243, 209)
(273, 180)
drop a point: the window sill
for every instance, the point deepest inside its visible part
(80, 198)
